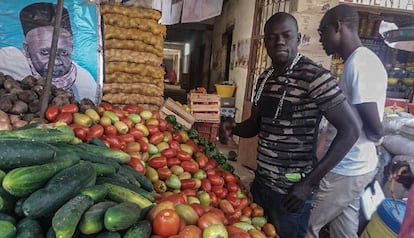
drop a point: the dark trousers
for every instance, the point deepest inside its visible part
(288, 225)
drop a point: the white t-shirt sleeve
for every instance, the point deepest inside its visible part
(369, 82)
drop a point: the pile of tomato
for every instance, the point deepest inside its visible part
(195, 197)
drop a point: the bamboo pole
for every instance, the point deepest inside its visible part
(51, 64)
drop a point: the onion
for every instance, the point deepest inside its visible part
(4, 126)
(4, 117)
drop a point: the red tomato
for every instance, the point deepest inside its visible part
(234, 230)
(137, 164)
(177, 136)
(114, 142)
(175, 145)
(216, 180)
(119, 112)
(166, 223)
(163, 124)
(106, 106)
(71, 108)
(235, 201)
(158, 162)
(191, 231)
(213, 199)
(152, 129)
(247, 211)
(156, 115)
(202, 161)
(173, 161)
(169, 153)
(207, 219)
(189, 166)
(164, 173)
(128, 122)
(205, 185)
(211, 164)
(188, 183)
(229, 178)
(183, 156)
(200, 209)
(130, 108)
(138, 134)
(52, 112)
(192, 144)
(80, 133)
(143, 144)
(189, 192)
(128, 138)
(65, 117)
(156, 138)
(210, 171)
(231, 186)
(110, 130)
(96, 131)
(226, 206)
(178, 198)
(221, 192)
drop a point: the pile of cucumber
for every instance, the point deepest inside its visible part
(54, 186)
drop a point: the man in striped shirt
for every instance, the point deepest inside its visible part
(290, 99)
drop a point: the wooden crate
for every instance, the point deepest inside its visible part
(170, 107)
(205, 107)
(207, 130)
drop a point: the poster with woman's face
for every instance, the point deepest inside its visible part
(26, 32)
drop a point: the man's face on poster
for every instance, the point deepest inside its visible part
(38, 47)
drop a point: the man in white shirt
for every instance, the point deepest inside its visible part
(364, 83)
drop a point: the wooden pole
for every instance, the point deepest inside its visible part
(51, 64)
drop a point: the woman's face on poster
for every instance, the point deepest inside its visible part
(38, 46)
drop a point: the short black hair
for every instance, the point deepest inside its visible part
(42, 14)
(280, 16)
(345, 14)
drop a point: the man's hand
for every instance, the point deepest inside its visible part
(401, 172)
(297, 197)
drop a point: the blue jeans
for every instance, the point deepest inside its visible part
(288, 225)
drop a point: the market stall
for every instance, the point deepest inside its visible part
(118, 167)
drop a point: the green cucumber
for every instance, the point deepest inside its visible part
(7, 217)
(19, 153)
(66, 154)
(18, 207)
(129, 177)
(87, 156)
(43, 133)
(109, 234)
(103, 169)
(117, 155)
(29, 228)
(97, 142)
(66, 219)
(60, 188)
(2, 174)
(92, 220)
(96, 192)
(144, 181)
(7, 229)
(121, 194)
(7, 201)
(141, 229)
(143, 192)
(121, 216)
(23, 181)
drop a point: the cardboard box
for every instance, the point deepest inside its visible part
(315, 6)
(227, 102)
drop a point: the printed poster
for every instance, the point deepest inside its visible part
(26, 31)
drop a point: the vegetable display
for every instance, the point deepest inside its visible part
(64, 196)
(124, 172)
